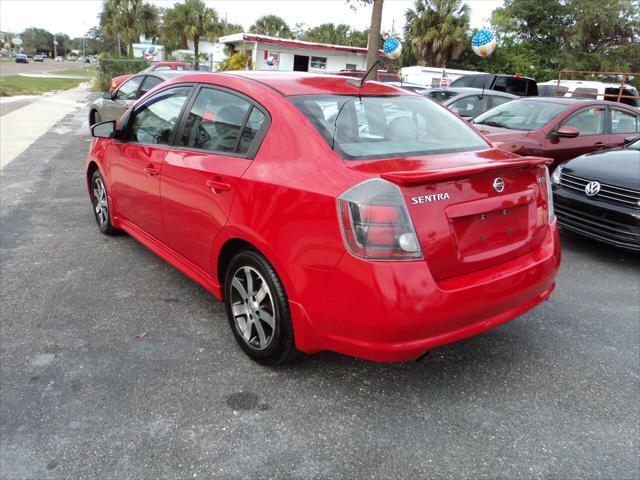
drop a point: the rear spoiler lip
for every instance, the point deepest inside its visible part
(419, 178)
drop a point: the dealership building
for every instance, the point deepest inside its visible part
(278, 54)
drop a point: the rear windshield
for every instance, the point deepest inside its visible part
(370, 127)
(441, 95)
(521, 115)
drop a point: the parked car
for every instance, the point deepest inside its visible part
(380, 243)
(514, 84)
(21, 58)
(72, 58)
(113, 104)
(558, 128)
(469, 102)
(590, 90)
(381, 75)
(38, 58)
(598, 195)
(119, 80)
(412, 87)
(59, 59)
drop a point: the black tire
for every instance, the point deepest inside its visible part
(94, 118)
(102, 216)
(279, 345)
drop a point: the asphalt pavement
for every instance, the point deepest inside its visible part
(11, 68)
(553, 394)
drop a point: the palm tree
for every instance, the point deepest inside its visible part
(192, 20)
(127, 19)
(436, 31)
(271, 25)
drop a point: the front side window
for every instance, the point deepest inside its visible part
(589, 121)
(441, 95)
(521, 115)
(215, 121)
(129, 89)
(368, 127)
(148, 84)
(624, 122)
(470, 106)
(154, 122)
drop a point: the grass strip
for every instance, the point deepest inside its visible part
(19, 85)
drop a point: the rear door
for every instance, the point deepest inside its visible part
(622, 124)
(590, 123)
(220, 135)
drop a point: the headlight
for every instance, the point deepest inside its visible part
(555, 177)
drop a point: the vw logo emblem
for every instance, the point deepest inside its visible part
(592, 188)
(498, 184)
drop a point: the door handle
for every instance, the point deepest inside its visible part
(218, 186)
(599, 145)
(151, 172)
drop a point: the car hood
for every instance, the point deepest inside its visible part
(619, 167)
(496, 134)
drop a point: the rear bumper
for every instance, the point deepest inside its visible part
(613, 224)
(396, 311)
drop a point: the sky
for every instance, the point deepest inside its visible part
(74, 17)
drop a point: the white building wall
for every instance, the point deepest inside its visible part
(335, 60)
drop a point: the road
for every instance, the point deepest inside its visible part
(12, 68)
(553, 394)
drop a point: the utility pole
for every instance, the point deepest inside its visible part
(55, 49)
(83, 32)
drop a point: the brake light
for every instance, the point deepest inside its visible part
(113, 84)
(376, 224)
(550, 207)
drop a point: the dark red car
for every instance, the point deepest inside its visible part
(559, 128)
(119, 80)
(327, 216)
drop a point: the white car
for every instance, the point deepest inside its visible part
(589, 89)
(59, 59)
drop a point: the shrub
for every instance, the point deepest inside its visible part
(112, 67)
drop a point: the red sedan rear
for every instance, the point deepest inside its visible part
(327, 216)
(119, 80)
(559, 128)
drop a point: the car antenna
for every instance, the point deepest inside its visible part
(368, 72)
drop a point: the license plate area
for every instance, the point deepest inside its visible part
(502, 230)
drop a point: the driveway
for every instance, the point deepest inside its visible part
(554, 393)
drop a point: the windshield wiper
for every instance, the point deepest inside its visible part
(489, 123)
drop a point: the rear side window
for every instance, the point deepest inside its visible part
(154, 122)
(624, 122)
(497, 100)
(221, 122)
(612, 95)
(470, 106)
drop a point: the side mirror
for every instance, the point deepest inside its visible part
(629, 140)
(104, 129)
(107, 95)
(566, 131)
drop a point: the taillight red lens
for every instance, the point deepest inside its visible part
(376, 224)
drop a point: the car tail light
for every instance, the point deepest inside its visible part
(376, 224)
(113, 84)
(550, 208)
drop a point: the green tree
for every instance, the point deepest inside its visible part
(436, 31)
(191, 20)
(271, 25)
(35, 40)
(236, 61)
(125, 20)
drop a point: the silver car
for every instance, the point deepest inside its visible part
(112, 105)
(469, 102)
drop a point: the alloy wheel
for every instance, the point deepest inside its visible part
(100, 202)
(252, 308)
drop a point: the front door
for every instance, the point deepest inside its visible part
(202, 173)
(590, 123)
(300, 63)
(136, 164)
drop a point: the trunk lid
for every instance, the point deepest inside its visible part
(464, 223)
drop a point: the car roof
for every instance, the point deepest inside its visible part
(304, 83)
(473, 91)
(574, 101)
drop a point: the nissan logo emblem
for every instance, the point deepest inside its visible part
(498, 184)
(592, 188)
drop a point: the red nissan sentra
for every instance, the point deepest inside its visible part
(326, 214)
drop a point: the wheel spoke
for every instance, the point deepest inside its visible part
(247, 272)
(239, 287)
(261, 335)
(262, 292)
(266, 318)
(239, 310)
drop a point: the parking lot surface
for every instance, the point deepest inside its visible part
(554, 393)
